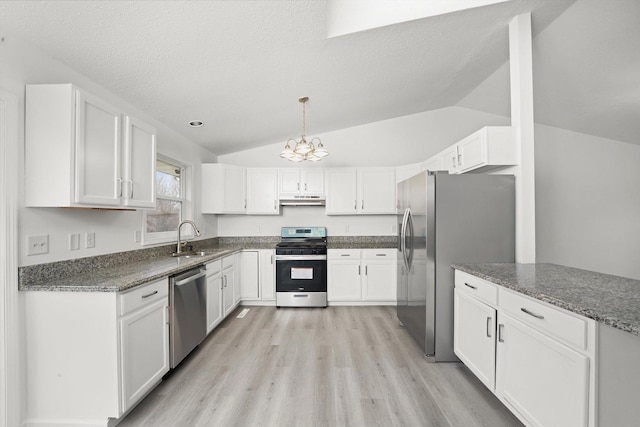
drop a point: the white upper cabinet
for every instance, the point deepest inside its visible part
(360, 191)
(376, 191)
(76, 153)
(262, 191)
(140, 163)
(488, 148)
(294, 182)
(223, 188)
(341, 191)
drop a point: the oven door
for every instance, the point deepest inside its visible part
(294, 274)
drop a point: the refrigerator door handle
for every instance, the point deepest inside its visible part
(403, 236)
(409, 236)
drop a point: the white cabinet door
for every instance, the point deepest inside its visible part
(223, 189)
(249, 276)
(546, 382)
(214, 300)
(235, 189)
(262, 191)
(267, 274)
(379, 280)
(312, 182)
(449, 159)
(288, 182)
(472, 152)
(139, 164)
(376, 191)
(237, 276)
(144, 338)
(341, 191)
(474, 336)
(227, 291)
(97, 152)
(344, 280)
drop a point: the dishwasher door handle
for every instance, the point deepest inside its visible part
(190, 279)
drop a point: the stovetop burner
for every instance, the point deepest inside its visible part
(302, 241)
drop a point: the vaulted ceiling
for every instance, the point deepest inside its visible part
(240, 66)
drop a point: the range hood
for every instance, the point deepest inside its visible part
(302, 201)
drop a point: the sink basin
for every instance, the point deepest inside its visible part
(197, 254)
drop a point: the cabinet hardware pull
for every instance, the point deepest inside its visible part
(120, 182)
(344, 255)
(298, 186)
(460, 159)
(500, 332)
(131, 196)
(305, 186)
(366, 270)
(275, 205)
(355, 204)
(362, 207)
(245, 203)
(471, 286)
(149, 295)
(453, 162)
(381, 254)
(537, 316)
(358, 270)
(271, 259)
(488, 327)
(167, 313)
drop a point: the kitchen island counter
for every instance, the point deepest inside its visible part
(611, 300)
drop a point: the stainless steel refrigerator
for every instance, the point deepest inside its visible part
(445, 219)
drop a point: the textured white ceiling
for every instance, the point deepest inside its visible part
(240, 66)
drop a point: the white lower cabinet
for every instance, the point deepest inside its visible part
(249, 284)
(475, 337)
(91, 356)
(538, 359)
(361, 275)
(214, 294)
(228, 284)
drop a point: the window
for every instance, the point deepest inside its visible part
(160, 225)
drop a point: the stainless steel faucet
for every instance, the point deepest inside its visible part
(193, 224)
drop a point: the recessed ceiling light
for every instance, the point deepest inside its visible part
(196, 123)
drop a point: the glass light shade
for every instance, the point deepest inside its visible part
(302, 147)
(312, 157)
(287, 152)
(320, 151)
(296, 158)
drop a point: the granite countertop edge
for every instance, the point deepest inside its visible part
(624, 321)
(145, 271)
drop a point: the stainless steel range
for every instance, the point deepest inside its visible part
(301, 267)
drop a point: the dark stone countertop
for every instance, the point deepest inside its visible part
(612, 300)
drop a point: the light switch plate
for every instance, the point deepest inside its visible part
(37, 245)
(74, 241)
(137, 236)
(90, 240)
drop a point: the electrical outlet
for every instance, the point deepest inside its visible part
(74, 241)
(90, 240)
(37, 245)
(137, 236)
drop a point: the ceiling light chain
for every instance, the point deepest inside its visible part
(303, 150)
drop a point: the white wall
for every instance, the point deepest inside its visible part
(21, 64)
(587, 202)
(393, 142)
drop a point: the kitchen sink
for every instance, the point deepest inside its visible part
(197, 254)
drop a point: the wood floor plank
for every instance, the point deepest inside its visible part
(339, 366)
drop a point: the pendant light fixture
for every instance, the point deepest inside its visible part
(304, 150)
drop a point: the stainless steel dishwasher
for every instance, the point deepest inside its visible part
(188, 312)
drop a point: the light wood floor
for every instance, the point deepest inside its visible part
(339, 366)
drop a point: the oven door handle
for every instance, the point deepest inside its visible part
(301, 257)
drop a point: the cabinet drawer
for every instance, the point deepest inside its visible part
(227, 262)
(143, 295)
(569, 329)
(379, 254)
(479, 288)
(343, 254)
(214, 267)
